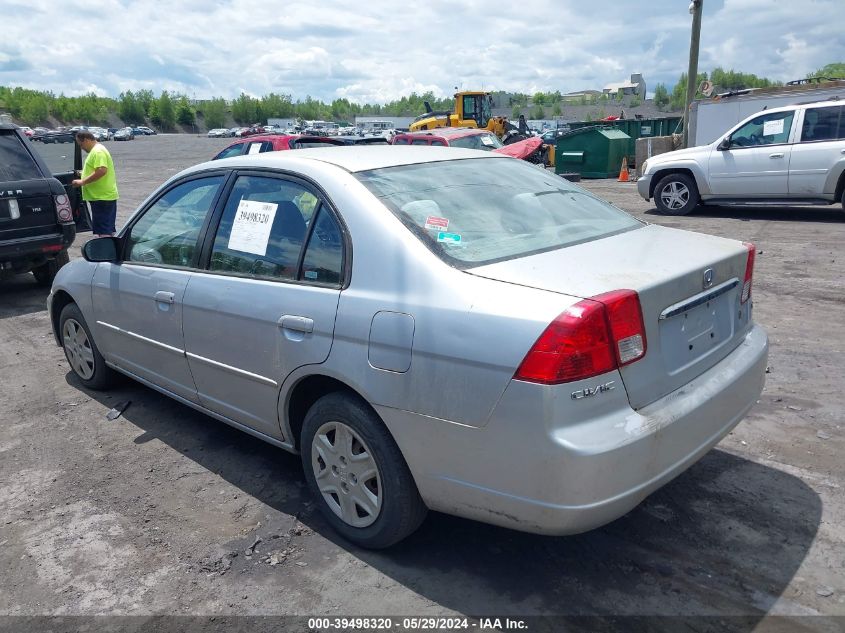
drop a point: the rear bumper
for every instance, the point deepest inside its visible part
(33, 248)
(535, 468)
(643, 184)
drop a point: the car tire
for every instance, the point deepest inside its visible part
(45, 273)
(676, 194)
(81, 352)
(357, 474)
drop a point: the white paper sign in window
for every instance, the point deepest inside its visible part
(487, 140)
(251, 229)
(770, 128)
(254, 148)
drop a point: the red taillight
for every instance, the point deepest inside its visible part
(626, 324)
(51, 248)
(63, 210)
(592, 337)
(749, 272)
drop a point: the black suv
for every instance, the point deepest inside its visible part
(38, 207)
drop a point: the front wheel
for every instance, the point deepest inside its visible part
(676, 194)
(81, 351)
(357, 473)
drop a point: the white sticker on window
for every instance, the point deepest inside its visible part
(254, 148)
(770, 128)
(251, 229)
(487, 140)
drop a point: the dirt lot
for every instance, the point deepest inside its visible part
(153, 513)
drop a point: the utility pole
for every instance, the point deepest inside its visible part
(695, 8)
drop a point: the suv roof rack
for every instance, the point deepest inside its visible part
(834, 98)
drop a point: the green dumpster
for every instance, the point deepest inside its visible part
(593, 152)
(636, 128)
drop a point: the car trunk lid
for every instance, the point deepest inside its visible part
(689, 287)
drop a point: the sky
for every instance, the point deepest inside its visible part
(375, 51)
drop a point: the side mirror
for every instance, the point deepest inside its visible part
(725, 144)
(102, 249)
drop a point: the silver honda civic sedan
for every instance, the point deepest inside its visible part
(431, 329)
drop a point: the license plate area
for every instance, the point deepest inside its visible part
(688, 336)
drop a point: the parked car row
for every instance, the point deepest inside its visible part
(66, 134)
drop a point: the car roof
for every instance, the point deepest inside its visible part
(352, 158)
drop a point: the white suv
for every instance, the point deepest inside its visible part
(791, 155)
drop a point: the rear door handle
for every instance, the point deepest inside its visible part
(298, 323)
(842, 151)
(163, 296)
(778, 155)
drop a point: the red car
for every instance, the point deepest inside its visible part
(273, 143)
(473, 138)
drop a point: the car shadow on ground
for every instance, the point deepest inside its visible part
(20, 295)
(824, 214)
(723, 539)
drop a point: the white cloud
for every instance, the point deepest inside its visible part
(379, 50)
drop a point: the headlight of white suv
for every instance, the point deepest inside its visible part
(645, 166)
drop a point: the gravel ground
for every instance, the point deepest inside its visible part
(160, 510)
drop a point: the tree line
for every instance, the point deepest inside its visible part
(33, 107)
(728, 80)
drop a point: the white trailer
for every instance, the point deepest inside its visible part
(710, 118)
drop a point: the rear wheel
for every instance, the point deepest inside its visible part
(676, 194)
(81, 351)
(45, 273)
(357, 473)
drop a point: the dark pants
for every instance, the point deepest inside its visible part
(103, 216)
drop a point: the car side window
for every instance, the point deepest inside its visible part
(234, 150)
(439, 143)
(401, 141)
(420, 141)
(262, 228)
(766, 129)
(323, 261)
(168, 231)
(823, 124)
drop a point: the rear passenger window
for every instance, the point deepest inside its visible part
(823, 124)
(15, 161)
(420, 141)
(262, 228)
(439, 143)
(401, 141)
(323, 260)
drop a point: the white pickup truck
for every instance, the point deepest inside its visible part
(788, 155)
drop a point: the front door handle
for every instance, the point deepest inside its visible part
(298, 323)
(163, 296)
(778, 155)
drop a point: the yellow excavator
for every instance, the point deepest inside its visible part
(474, 109)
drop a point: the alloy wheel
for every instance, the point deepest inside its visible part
(675, 195)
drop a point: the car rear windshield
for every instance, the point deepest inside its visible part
(478, 211)
(15, 161)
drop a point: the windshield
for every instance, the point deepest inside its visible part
(478, 211)
(487, 141)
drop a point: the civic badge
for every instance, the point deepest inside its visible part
(708, 278)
